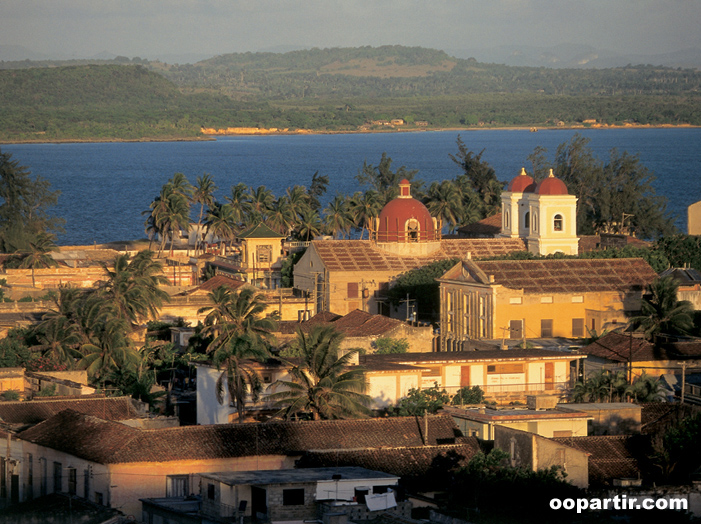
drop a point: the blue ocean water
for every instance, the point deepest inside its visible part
(106, 186)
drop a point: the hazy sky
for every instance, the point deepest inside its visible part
(149, 28)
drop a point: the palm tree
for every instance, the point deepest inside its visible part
(240, 203)
(240, 336)
(221, 223)
(168, 214)
(364, 207)
(661, 312)
(112, 351)
(203, 194)
(309, 225)
(282, 216)
(323, 385)
(38, 255)
(261, 201)
(132, 287)
(337, 217)
(443, 201)
(58, 340)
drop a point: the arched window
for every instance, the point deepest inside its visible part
(412, 230)
(527, 220)
(557, 223)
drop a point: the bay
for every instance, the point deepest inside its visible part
(106, 186)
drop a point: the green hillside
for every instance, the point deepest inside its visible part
(341, 89)
(101, 102)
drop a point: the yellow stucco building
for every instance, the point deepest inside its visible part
(521, 299)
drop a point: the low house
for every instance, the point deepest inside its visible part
(481, 422)
(522, 299)
(689, 282)
(504, 376)
(534, 452)
(608, 418)
(361, 330)
(594, 462)
(113, 464)
(295, 494)
(630, 351)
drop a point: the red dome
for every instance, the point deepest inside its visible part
(522, 183)
(551, 186)
(405, 219)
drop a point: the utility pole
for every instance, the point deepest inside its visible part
(409, 306)
(683, 380)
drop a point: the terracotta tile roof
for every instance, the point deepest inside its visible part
(363, 255)
(357, 323)
(418, 461)
(658, 416)
(612, 457)
(35, 411)
(565, 276)
(619, 347)
(487, 227)
(220, 280)
(109, 442)
(259, 231)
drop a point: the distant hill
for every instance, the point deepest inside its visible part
(574, 56)
(100, 101)
(396, 71)
(341, 89)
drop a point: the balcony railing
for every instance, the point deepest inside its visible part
(219, 511)
(532, 387)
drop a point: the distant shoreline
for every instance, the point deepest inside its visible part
(270, 132)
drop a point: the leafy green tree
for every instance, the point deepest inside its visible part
(480, 486)
(661, 313)
(24, 204)
(240, 336)
(421, 401)
(323, 384)
(676, 452)
(478, 177)
(390, 346)
(384, 181)
(38, 255)
(420, 284)
(680, 251)
(317, 189)
(288, 266)
(613, 197)
(468, 395)
(14, 348)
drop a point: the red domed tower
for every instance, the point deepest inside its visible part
(551, 186)
(405, 219)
